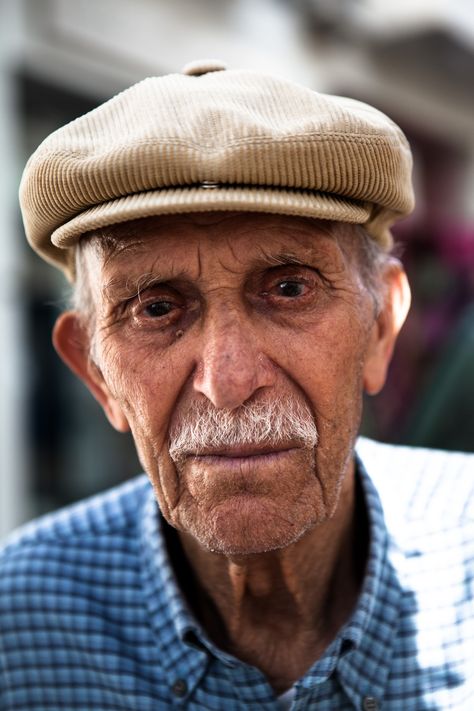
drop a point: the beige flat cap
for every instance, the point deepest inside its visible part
(215, 139)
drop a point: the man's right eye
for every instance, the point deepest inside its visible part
(163, 310)
(158, 308)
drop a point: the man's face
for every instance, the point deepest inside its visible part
(216, 315)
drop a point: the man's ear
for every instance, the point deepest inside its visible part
(386, 327)
(72, 342)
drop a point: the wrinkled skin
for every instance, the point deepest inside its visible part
(234, 308)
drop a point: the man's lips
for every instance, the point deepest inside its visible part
(244, 470)
(243, 451)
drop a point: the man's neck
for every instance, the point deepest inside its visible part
(280, 610)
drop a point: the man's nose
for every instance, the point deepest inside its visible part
(232, 366)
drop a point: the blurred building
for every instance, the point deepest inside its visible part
(59, 58)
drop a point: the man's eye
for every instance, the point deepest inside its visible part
(290, 289)
(158, 308)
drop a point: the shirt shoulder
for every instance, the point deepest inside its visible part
(430, 488)
(75, 608)
(427, 505)
(80, 535)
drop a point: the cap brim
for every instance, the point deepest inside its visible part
(304, 203)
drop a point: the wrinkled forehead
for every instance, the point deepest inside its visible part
(170, 236)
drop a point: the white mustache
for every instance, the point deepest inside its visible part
(203, 427)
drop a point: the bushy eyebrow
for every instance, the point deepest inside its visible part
(122, 287)
(283, 258)
(315, 258)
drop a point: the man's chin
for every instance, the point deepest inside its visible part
(247, 525)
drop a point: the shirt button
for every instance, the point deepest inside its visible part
(179, 688)
(370, 703)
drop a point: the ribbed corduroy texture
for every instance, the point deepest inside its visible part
(226, 140)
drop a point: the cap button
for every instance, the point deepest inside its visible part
(203, 66)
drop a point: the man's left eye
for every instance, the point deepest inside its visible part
(290, 289)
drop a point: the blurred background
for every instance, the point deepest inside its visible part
(414, 59)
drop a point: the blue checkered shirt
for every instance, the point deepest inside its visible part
(91, 616)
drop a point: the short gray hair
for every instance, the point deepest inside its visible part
(372, 260)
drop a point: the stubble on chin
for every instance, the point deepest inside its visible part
(252, 511)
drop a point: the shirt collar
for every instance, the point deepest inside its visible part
(372, 629)
(170, 618)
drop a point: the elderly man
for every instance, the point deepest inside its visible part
(228, 236)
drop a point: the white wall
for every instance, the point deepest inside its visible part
(14, 501)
